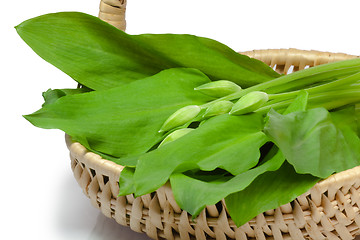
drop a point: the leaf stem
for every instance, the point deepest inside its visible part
(346, 82)
(308, 76)
(329, 100)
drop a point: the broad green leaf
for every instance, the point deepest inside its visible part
(345, 118)
(100, 56)
(209, 56)
(92, 52)
(193, 194)
(312, 143)
(357, 117)
(126, 181)
(268, 191)
(299, 103)
(123, 121)
(227, 142)
(51, 95)
(348, 123)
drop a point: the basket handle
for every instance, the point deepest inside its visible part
(113, 12)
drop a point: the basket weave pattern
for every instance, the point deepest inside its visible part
(330, 210)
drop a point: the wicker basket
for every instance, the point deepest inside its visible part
(330, 210)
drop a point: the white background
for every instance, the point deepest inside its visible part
(40, 199)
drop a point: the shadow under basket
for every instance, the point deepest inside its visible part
(330, 210)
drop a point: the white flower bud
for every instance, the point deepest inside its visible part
(220, 88)
(175, 135)
(218, 108)
(180, 117)
(249, 103)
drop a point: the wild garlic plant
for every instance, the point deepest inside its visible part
(336, 88)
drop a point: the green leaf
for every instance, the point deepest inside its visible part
(345, 118)
(268, 191)
(227, 142)
(211, 57)
(51, 95)
(348, 123)
(193, 194)
(126, 181)
(89, 50)
(99, 56)
(357, 117)
(123, 121)
(299, 103)
(312, 143)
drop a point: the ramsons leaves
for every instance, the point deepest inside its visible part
(313, 143)
(123, 121)
(228, 142)
(99, 56)
(189, 110)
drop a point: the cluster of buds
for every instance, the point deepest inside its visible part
(248, 103)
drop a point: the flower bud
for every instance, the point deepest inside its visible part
(220, 88)
(249, 103)
(175, 135)
(180, 117)
(218, 108)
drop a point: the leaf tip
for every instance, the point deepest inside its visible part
(26, 116)
(18, 28)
